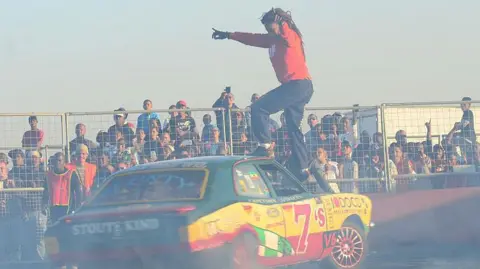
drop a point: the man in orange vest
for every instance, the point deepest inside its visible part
(86, 171)
(62, 189)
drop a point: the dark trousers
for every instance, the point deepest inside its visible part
(56, 212)
(292, 98)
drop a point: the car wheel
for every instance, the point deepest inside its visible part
(351, 248)
(244, 252)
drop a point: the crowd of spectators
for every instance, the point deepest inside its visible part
(331, 141)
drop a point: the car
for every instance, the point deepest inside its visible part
(211, 212)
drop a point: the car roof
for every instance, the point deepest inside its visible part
(199, 162)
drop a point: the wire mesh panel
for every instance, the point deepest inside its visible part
(23, 223)
(430, 139)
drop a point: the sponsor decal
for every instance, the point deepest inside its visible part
(273, 212)
(320, 217)
(329, 239)
(117, 228)
(349, 202)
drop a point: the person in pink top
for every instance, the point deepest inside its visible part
(285, 46)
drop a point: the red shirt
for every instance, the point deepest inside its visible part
(286, 53)
(32, 138)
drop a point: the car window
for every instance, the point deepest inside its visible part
(167, 185)
(282, 183)
(249, 183)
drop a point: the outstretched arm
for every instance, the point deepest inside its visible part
(255, 40)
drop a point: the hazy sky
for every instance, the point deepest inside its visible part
(98, 55)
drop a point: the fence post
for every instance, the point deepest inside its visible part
(230, 135)
(385, 148)
(67, 144)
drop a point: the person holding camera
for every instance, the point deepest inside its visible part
(227, 102)
(287, 55)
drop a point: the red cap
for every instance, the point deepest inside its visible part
(181, 103)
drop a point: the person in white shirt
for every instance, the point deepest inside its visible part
(327, 169)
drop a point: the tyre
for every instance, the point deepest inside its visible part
(243, 253)
(351, 248)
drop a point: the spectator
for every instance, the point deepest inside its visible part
(422, 163)
(466, 137)
(172, 114)
(86, 171)
(5, 180)
(165, 140)
(210, 148)
(401, 137)
(121, 126)
(227, 116)
(348, 168)
(362, 151)
(60, 179)
(243, 147)
(328, 170)
(282, 144)
(377, 141)
(104, 145)
(439, 163)
(155, 123)
(139, 141)
(318, 139)
(104, 169)
(238, 126)
(312, 134)
(122, 151)
(207, 128)
(35, 171)
(143, 121)
(80, 131)
(248, 114)
(33, 138)
(153, 148)
(403, 164)
(19, 169)
(183, 126)
(346, 132)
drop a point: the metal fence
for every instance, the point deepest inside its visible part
(386, 148)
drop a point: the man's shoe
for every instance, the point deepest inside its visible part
(264, 152)
(260, 152)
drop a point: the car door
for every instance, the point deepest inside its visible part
(304, 214)
(265, 216)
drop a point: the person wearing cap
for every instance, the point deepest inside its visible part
(86, 171)
(183, 126)
(33, 138)
(35, 171)
(143, 120)
(19, 169)
(466, 138)
(62, 190)
(121, 125)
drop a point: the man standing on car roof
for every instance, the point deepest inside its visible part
(62, 188)
(285, 44)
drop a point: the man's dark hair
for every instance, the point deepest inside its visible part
(279, 15)
(466, 99)
(32, 118)
(146, 101)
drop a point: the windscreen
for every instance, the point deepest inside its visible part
(156, 186)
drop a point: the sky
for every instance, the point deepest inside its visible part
(58, 56)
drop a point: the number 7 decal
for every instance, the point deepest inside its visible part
(303, 210)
